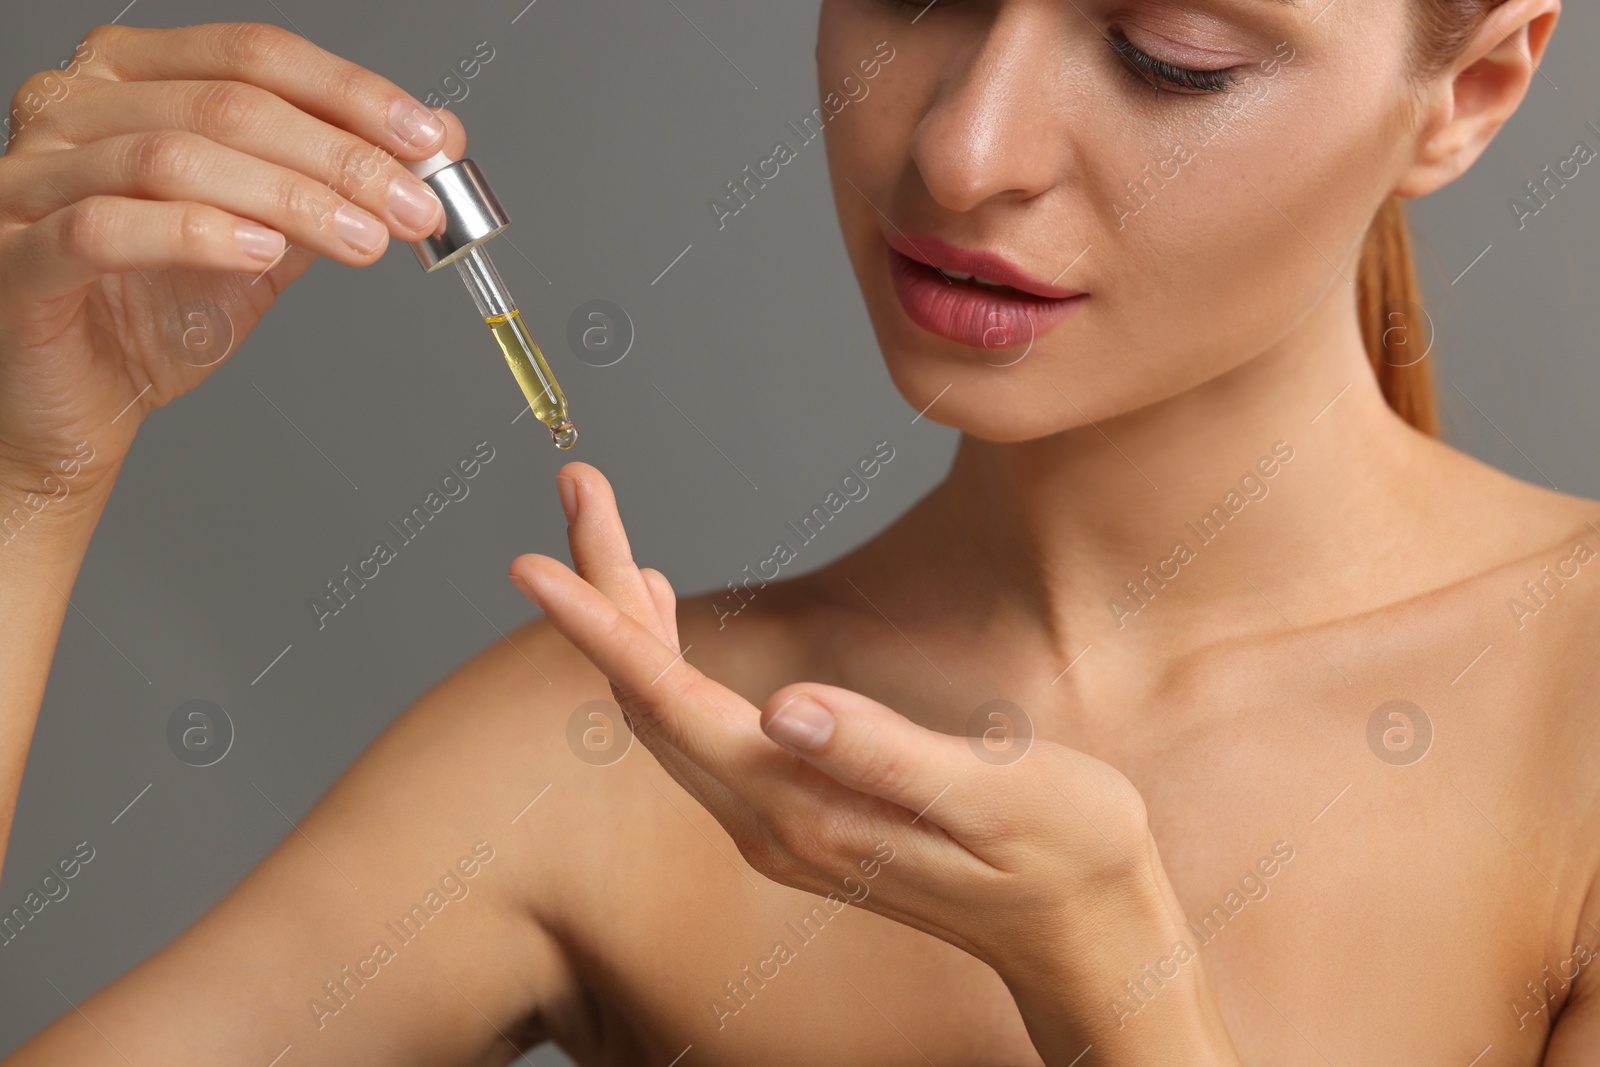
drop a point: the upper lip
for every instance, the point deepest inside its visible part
(939, 253)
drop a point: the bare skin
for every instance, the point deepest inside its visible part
(1343, 906)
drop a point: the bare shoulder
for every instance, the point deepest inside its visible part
(1533, 692)
(1531, 554)
(399, 921)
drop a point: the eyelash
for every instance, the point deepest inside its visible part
(1196, 81)
(1145, 67)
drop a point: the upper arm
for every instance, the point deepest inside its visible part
(428, 809)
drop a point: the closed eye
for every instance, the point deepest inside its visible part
(1153, 70)
(1144, 66)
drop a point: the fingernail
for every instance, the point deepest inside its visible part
(416, 125)
(412, 203)
(361, 231)
(258, 242)
(801, 723)
(567, 490)
(522, 584)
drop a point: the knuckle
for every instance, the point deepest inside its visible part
(619, 631)
(163, 158)
(194, 226)
(301, 198)
(349, 85)
(102, 37)
(878, 771)
(809, 839)
(83, 225)
(1131, 818)
(227, 108)
(34, 87)
(766, 855)
(30, 105)
(356, 162)
(245, 45)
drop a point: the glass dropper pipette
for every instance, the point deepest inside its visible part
(522, 353)
(472, 216)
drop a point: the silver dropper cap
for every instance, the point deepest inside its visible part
(472, 215)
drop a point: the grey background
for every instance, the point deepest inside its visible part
(604, 126)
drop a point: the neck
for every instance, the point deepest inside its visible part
(1163, 529)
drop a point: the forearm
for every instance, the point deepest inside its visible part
(41, 549)
(1125, 987)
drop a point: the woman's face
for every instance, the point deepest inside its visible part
(1202, 171)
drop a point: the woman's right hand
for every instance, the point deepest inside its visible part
(156, 196)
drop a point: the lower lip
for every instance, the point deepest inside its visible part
(973, 315)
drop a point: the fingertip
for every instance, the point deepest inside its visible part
(455, 134)
(782, 698)
(588, 486)
(832, 697)
(518, 573)
(567, 490)
(534, 570)
(579, 471)
(419, 132)
(799, 722)
(261, 245)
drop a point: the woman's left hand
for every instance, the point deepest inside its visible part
(1043, 867)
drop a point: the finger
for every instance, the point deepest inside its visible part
(226, 110)
(252, 121)
(586, 626)
(709, 724)
(36, 100)
(666, 602)
(111, 235)
(873, 749)
(283, 63)
(600, 551)
(176, 165)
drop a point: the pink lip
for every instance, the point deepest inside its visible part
(970, 314)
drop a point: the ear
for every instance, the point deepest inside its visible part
(1465, 105)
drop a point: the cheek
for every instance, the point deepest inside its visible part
(1200, 265)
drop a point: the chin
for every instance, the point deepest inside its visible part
(992, 403)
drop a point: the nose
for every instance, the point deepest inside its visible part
(993, 130)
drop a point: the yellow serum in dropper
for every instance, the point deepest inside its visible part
(538, 383)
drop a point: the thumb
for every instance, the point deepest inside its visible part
(870, 748)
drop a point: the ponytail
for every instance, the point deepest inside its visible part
(1394, 326)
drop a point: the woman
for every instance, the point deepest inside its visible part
(1296, 782)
